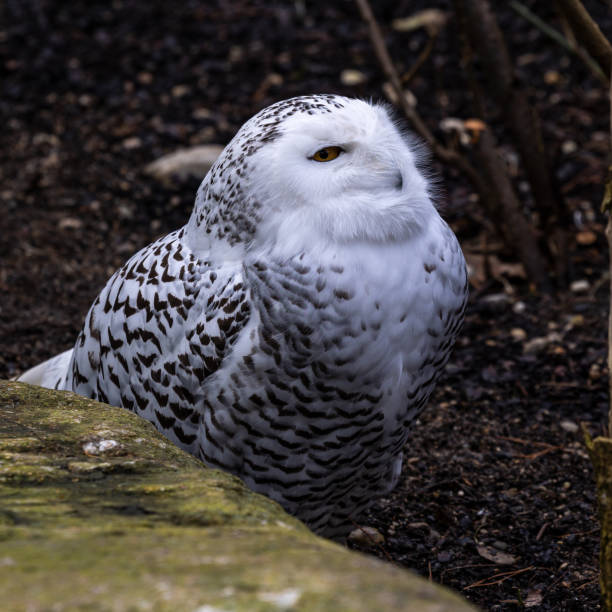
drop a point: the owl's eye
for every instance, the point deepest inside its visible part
(327, 154)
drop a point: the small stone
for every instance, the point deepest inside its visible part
(125, 211)
(366, 536)
(552, 77)
(352, 77)
(569, 426)
(580, 286)
(201, 113)
(185, 163)
(595, 371)
(518, 334)
(568, 147)
(496, 302)
(535, 345)
(144, 78)
(178, 91)
(236, 54)
(519, 307)
(70, 223)
(132, 143)
(86, 100)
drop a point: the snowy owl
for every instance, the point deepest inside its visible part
(293, 329)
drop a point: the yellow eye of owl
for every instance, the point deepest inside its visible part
(327, 154)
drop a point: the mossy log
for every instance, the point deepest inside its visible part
(98, 511)
(600, 450)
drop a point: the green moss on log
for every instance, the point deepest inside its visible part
(99, 512)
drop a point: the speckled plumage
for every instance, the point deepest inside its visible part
(292, 330)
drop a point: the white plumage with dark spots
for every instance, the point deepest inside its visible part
(293, 329)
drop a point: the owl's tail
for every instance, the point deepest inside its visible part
(50, 373)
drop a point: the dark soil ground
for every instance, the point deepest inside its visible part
(497, 495)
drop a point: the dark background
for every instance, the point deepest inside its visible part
(496, 498)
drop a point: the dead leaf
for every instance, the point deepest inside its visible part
(534, 598)
(481, 267)
(468, 129)
(585, 238)
(476, 125)
(497, 556)
(433, 20)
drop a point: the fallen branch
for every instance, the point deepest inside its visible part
(425, 53)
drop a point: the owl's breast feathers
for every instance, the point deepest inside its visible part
(160, 328)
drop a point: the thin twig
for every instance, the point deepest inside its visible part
(541, 531)
(530, 16)
(587, 32)
(526, 442)
(425, 53)
(498, 578)
(389, 69)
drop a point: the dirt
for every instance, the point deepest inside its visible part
(496, 498)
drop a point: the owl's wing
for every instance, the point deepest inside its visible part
(162, 325)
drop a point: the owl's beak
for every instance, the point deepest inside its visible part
(399, 181)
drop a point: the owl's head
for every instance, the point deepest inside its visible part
(316, 169)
